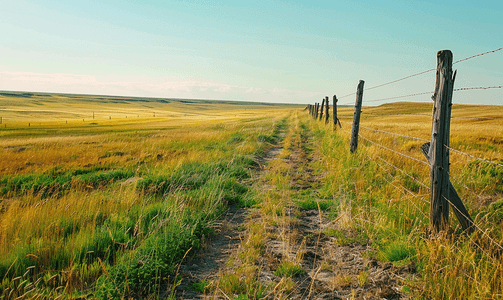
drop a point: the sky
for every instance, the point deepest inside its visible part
(267, 51)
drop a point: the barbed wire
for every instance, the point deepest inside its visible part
(403, 96)
(422, 72)
(397, 80)
(477, 55)
(479, 88)
(430, 92)
(404, 188)
(392, 133)
(346, 96)
(474, 224)
(394, 151)
(464, 185)
(473, 156)
(402, 171)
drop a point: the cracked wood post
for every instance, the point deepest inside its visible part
(317, 110)
(460, 210)
(321, 110)
(438, 152)
(327, 106)
(356, 117)
(336, 120)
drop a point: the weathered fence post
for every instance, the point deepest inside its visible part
(1, 120)
(321, 110)
(317, 109)
(437, 153)
(93, 115)
(356, 117)
(336, 120)
(327, 106)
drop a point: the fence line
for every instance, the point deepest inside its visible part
(392, 133)
(473, 156)
(436, 155)
(422, 184)
(416, 196)
(407, 174)
(398, 186)
(475, 225)
(389, 149)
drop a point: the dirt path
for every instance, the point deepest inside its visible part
(288, 248)
(205, 263)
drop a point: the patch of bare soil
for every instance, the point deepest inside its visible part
(205, 263)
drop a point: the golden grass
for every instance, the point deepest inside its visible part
(382, 194)
(180, 134)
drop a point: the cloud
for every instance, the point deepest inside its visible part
(169, 87)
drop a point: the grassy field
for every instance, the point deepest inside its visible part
(109, 207)
(389, 194)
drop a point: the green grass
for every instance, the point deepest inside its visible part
(199, 286)
(289, 269)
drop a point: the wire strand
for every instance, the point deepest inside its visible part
(392, 133)
(394, 151)
(407, 174)
(473, 156)
(477, 55)
(406, 77)
(475, 225)
(479, 88)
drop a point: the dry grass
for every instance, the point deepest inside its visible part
(38, 226)
(382, 194)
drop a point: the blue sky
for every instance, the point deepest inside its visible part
(273, 51)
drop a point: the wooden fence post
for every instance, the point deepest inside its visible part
(321, 110)
(1, 120)
(442, 191)
(327, 106)
(336, 120)
(356, 117)
(317, 109)
(438, 152)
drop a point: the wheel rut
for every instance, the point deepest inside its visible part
(304, 252)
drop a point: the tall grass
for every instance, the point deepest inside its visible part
(111, 214)
(384, 198)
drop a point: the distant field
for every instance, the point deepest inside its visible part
(20, 108)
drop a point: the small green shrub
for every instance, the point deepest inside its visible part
(289, 269)
(313, 204)
(199, 286)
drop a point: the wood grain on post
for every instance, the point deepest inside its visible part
(438, 152)
(321, 110)
(327, 106)
(356, 117)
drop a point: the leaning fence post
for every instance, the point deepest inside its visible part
(327, 106)
(356, 117)
(321, 110)
(336, 120)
